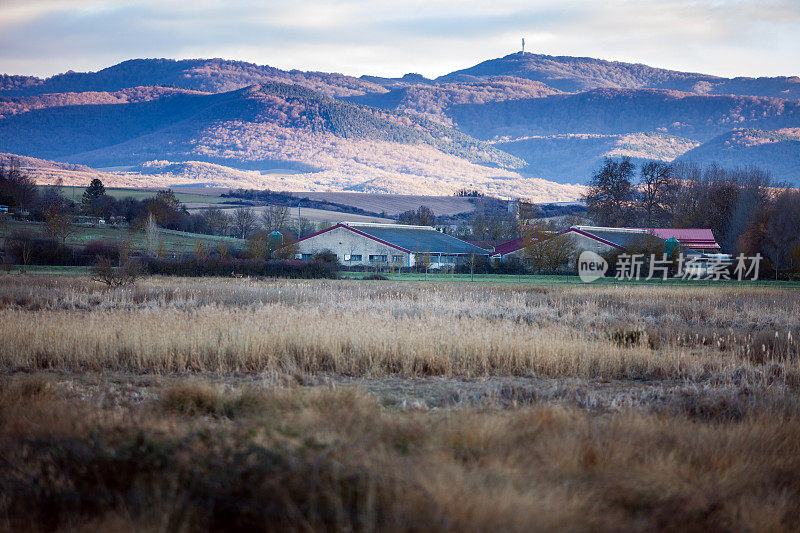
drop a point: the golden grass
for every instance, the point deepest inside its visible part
(374, 329)
(579, 408)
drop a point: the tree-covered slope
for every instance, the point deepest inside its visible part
(248, 124)
(433, 100)
(775, 151)
(620, 111)
(208, 75)
(570, 158)
(574, 74)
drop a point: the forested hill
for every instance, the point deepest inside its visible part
(776, 150)
(194, 125)
(573, 74)
(508, 126)
(620, 111)
(208, 75)
(434, 100)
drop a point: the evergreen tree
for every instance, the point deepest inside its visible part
(94, 191)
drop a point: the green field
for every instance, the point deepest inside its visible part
(174, 241)
(141, 194)
(537, 279)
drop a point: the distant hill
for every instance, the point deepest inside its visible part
(245, 124)
(433, 101)
(276, 130)
(573, 74)
(569, 158)
(44, 171)
(507, 126)
(776, 151)
(208, 75)
(15, 106)
(622, 111)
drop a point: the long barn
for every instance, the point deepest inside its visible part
(388, 244)
(605, 239)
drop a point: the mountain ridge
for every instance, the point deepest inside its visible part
(586, 73)
(496, 126)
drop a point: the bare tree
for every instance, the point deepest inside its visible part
(535, 246)
(782, 230)
(21, 246)
(57, 214)
(560, 251)
(258, 245)
(287, 251)
(275, 218)
(472, 262)
(152, 236)
(218, 221)
(304, 227)
(16, 188)
(526, 212)
(611, 194)
(422, 216)
(545, 249)
(244, 221)
(656, 189)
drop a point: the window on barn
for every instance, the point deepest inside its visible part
(378, 258)
(355, 257)
(306, 257)
(397, 258)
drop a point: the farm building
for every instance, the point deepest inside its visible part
(397, 245)
(603, 239)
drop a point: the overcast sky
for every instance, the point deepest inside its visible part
(392, 37)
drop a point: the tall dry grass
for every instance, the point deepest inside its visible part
(95, 434)
(376, 329)
(297, 459)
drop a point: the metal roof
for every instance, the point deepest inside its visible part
(688, 237)
(621, 239)
(702, 239)
(510, 246)
(416, 239)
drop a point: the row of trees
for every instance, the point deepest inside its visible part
(243, 222)
(747, 212)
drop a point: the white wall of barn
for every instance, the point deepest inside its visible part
(582, 243)
(354, 249)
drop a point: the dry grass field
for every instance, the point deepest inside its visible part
(193, 404)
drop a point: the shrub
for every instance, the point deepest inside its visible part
(628, 338)
(102, 248)
(126, 274)
(216, 266)
(27, 250)
(326, 256)
(192, 398)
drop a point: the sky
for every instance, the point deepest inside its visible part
(393, 37)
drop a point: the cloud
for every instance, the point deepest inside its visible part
(726, 37)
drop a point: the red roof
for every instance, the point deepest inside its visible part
(510, 246)
(690, 238)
